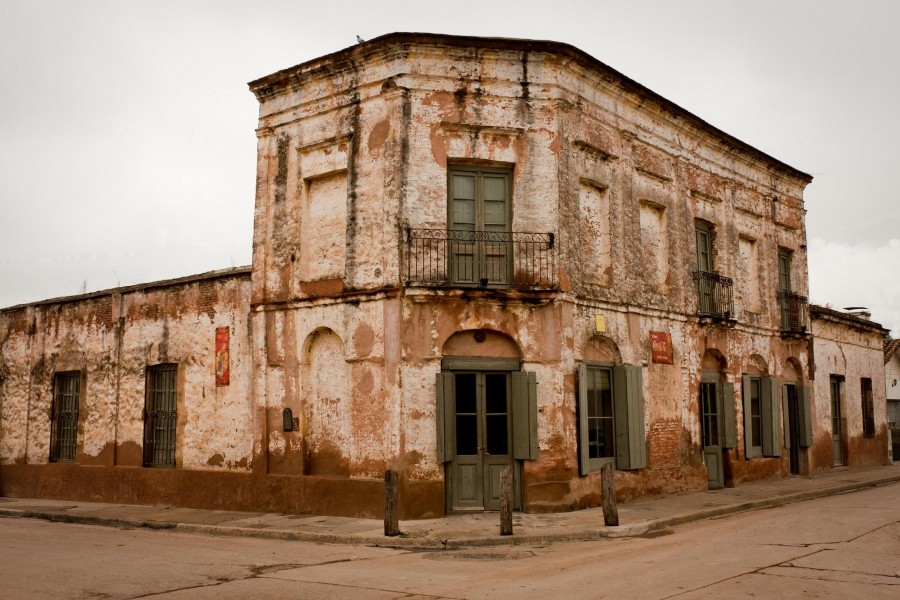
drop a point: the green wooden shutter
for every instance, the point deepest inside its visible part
(584, 460)
(765, 401)
(445, 417)
(524, 397)
(786, 412)
(748, 417)
(728, 414)
(805, 418)
(771, 417)
(628, 406)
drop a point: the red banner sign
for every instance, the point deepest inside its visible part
(222, 356)
(661, 347)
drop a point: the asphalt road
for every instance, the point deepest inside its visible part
(845, 546)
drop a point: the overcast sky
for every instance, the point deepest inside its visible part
(127, 145)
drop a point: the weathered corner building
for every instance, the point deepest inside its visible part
(468, 254)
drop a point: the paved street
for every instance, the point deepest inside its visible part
(845, 546)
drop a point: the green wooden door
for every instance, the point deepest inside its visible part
(712, 434)
(483, 424)
(836, 443)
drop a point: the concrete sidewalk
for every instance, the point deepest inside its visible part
(459, 531)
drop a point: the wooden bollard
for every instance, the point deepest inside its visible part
(391, 505)
(506, 522)
(608, 489)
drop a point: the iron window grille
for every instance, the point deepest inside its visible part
(716, 295)
(160, 416)
(64, 416)
(486, 259)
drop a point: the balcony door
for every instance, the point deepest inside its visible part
(784, 289)
(479, 220)
(704, 267)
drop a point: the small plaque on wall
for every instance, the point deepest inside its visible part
(661, 347)
(222, 357)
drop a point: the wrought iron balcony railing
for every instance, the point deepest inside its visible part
(486, 259)
(794, 310)
(715, 294)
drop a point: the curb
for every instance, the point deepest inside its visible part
(412, 543)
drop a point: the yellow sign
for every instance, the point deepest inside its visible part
(600, 323)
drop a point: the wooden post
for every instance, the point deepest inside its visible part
(506, 523)
(608, 489)
(391, 505)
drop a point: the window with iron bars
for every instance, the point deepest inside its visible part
(64, 416)
(160, 416)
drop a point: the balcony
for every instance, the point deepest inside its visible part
(480, 259)
(716, 295)
(794, 310)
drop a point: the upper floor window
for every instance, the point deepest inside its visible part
(160, 415)
(793, 307)
(716, 295)
(478, 247)
(64, 416)
(480, 217)
(784, 270)
(704, 248)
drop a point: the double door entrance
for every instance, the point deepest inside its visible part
(483, 425)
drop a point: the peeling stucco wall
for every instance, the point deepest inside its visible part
(111, 338)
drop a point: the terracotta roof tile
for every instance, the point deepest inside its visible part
(891, 347)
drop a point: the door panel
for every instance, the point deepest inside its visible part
(836, 443)
(793, 431)
(711, 424)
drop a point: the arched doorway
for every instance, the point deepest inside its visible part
(486, 418)
(327, 412)
(716, 418)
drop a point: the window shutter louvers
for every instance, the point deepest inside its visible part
(748, 417)
(805, 418)
(728, 415)
(524, 396)
(583, 450)
(786, 412)
(445, 418)
(631, 449)
(771, 417)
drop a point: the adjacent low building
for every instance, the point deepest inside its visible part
(892, 389)
(469, 254)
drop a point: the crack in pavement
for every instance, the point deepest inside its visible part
(788, 562)
(256, 572)
(750, 572)
(845, 580)
(375, 589)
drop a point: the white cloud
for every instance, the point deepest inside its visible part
(843, 274)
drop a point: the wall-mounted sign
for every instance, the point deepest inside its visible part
(600, 324)
(661, 347)
(222, 357)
